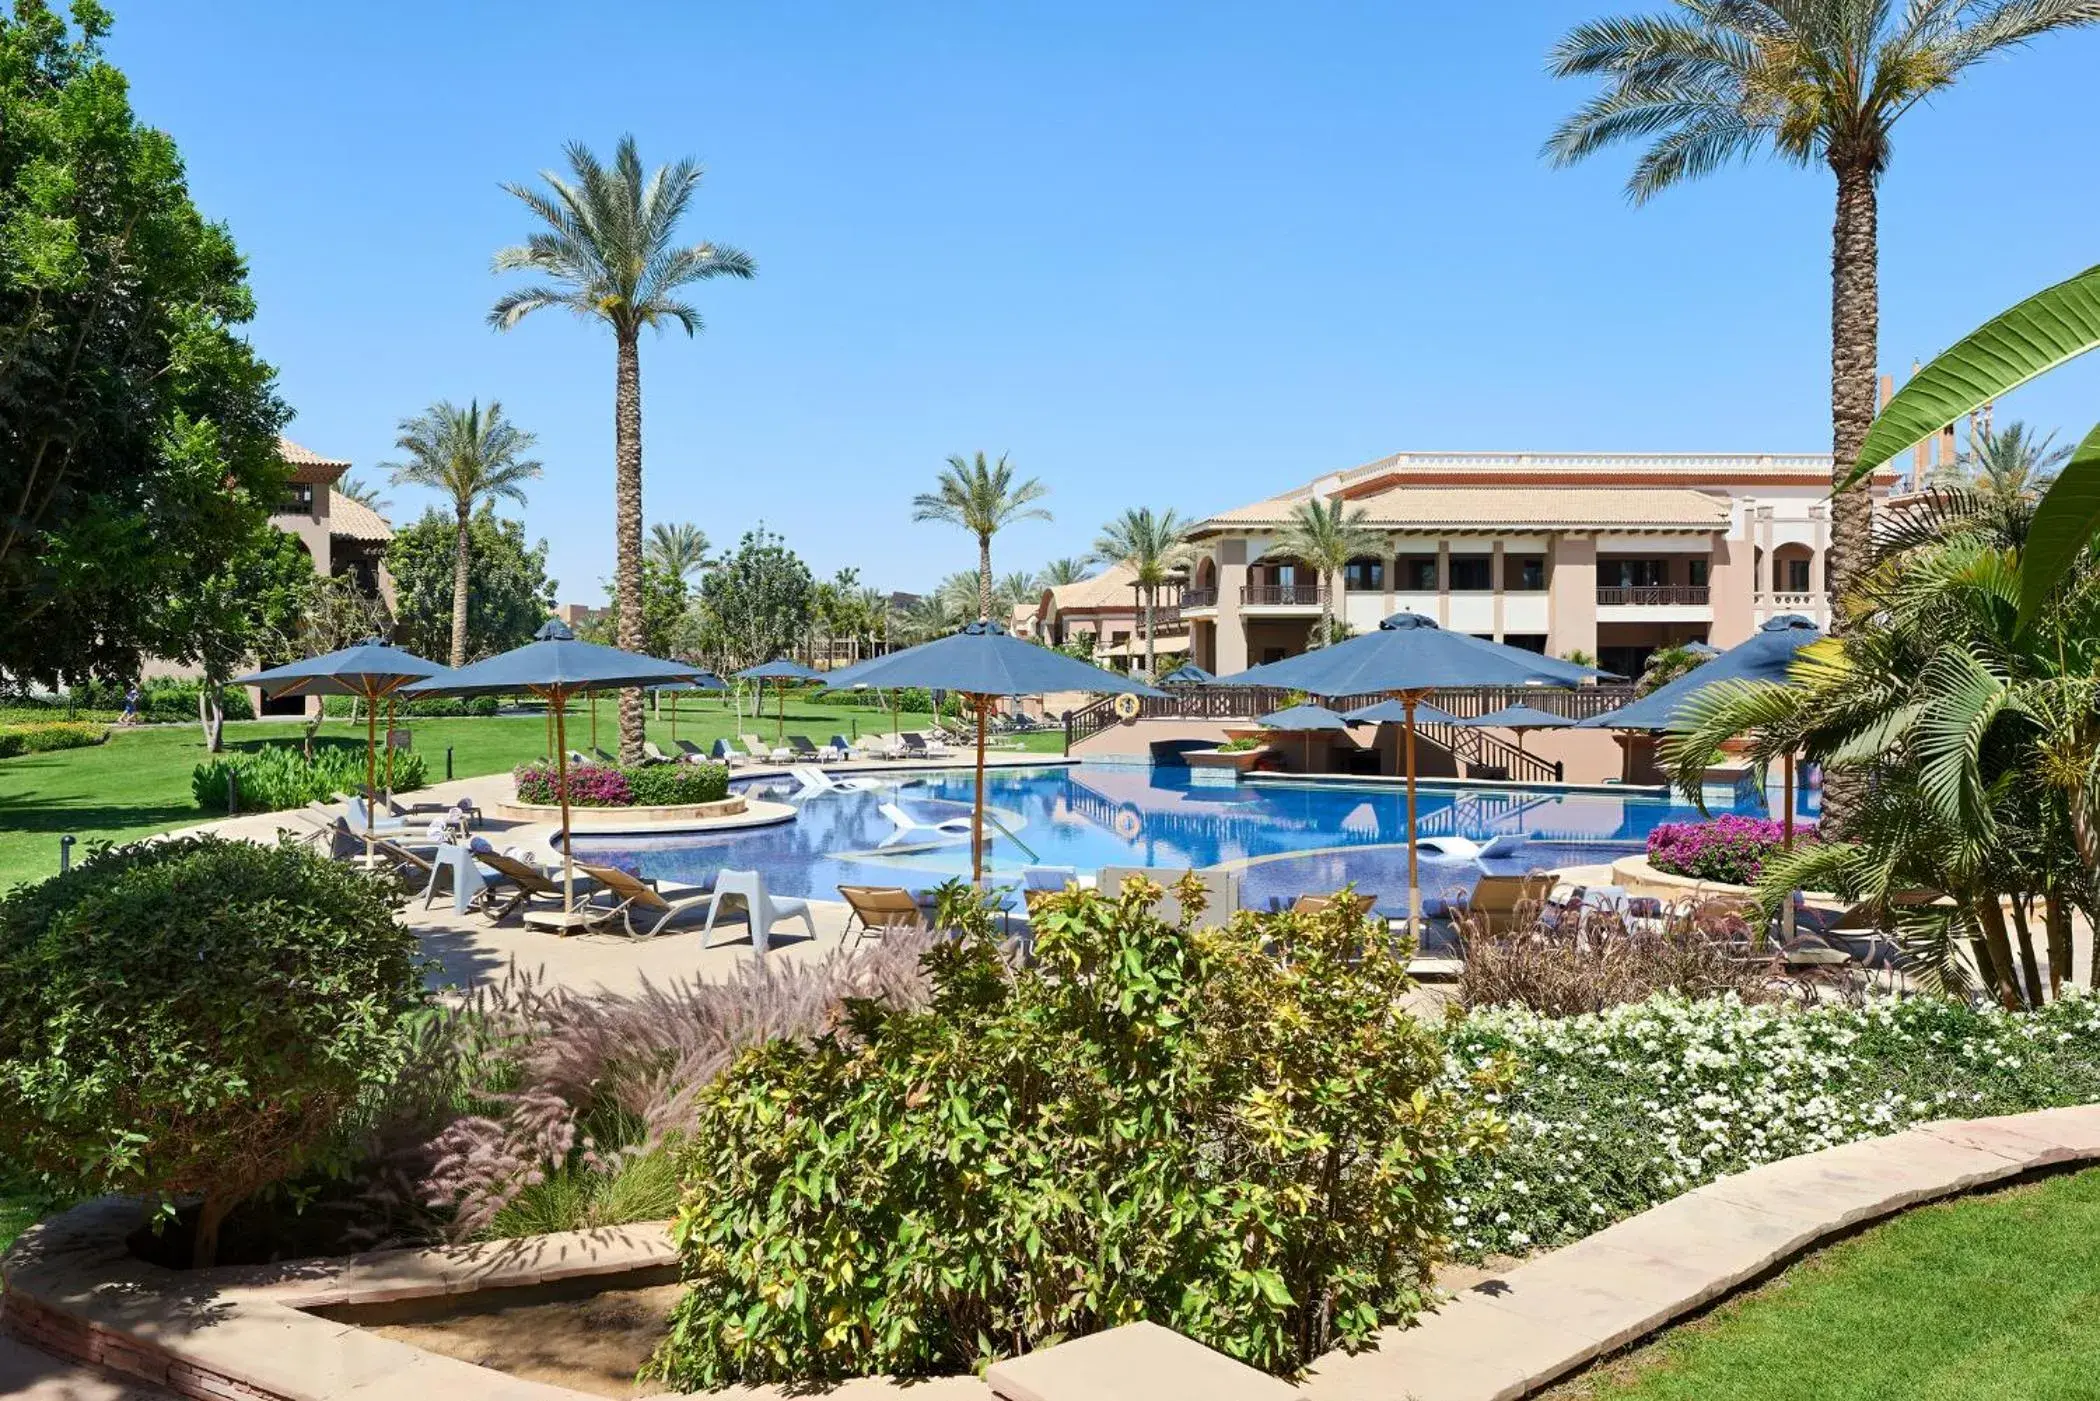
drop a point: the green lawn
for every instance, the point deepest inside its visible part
(1993, 1298)
(139, 782)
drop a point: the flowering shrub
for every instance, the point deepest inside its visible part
(590, 785)
(1731, 849)
(1614, 1112)
(611, 786)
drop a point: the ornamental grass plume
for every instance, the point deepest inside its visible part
(523, 1081)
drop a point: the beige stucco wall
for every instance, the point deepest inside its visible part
(1572, 583)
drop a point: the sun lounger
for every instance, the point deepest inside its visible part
(763, 909)
(726, 753)
(1320, 904)
(906, 824)
(355, 809)
(815, 780)
(918, 746)
(881, 910)
(522, 884)
(801, 747)
(760, 750)
(655, 755)
(1492, 906)
(839, 748)
(627, 892)
(691, 752)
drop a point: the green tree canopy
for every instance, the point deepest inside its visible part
(254, 609)
(667, 629)
(758, 602)
(508, 591)
(138, 430)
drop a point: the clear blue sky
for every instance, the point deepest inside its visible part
(1175, 255)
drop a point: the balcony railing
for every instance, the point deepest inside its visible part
(1199, 598)
(1281, 596)
(1653, 595)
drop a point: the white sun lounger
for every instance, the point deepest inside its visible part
(907, 824)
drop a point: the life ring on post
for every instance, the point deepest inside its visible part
(1126, 706)
(1127, 825)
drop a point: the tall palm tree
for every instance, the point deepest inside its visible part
(472, 457)
(680, 548)
(1063, 571)
(1324, 536)
(1708, 82)
(2012, 463)
(983, 498)
(1153, 547)
(609, 254)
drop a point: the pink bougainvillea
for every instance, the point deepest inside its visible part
(1731, 849)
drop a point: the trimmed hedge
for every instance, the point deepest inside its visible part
(43, 737)
(432, 708)
(164, 701)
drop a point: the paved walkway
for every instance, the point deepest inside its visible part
(29, 1375)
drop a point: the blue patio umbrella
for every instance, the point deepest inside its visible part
(1519, 718)
(555, 666)
(1307, 720)
(702, 681)
(370, 670)
(1187, 674)
(1407, 657)
(1765, 657)
(1394, 712)
(780, 671)
(982, 662)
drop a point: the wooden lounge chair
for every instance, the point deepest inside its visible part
(522, 884)
(1492, 906)
(881, 909)
(628, 891)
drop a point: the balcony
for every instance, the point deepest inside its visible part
(1280, 596)
(1192, 599)
(1654, 596)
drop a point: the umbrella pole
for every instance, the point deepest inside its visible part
(561, 787)
(977, 822)
(674, 719)
(590, 698)
(371, 768)
(780, 712)
(1786, 821)
(390, 744)
(1414, 883)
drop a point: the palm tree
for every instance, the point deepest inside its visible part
(1152, 547)
(2012, 463)
(1063, 571)
(681, 548)
(982, 498)
(1324, 536)
(472, 457)
(1816, 81)
(609, 255)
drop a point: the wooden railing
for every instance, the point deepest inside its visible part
(1649, 595)
(1474, 748)
(1283, 595)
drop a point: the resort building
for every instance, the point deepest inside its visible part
(1613, 555)
(1109, 608)
(343, 536)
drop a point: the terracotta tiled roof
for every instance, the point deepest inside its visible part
(1503, 508)
(1108, 589)
(307, 465)
(354, 520)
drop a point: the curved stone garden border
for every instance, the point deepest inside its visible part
(246, 1333)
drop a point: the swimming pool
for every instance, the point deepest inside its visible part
(1284, 838)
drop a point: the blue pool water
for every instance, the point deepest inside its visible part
(1285, 839)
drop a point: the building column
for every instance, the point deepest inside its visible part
(1495, 583)
(1731, 587)
(1232, 627)
(1571, 581)
(1443, 583)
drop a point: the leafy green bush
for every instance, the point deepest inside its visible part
(280, 776)
(1612, 1112)
(193, 1017)
(46, 736)
(1157, 1121)
(669, 785)
(1239, 745)
(429, 708)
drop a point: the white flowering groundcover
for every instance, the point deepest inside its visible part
(1613, 1112)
